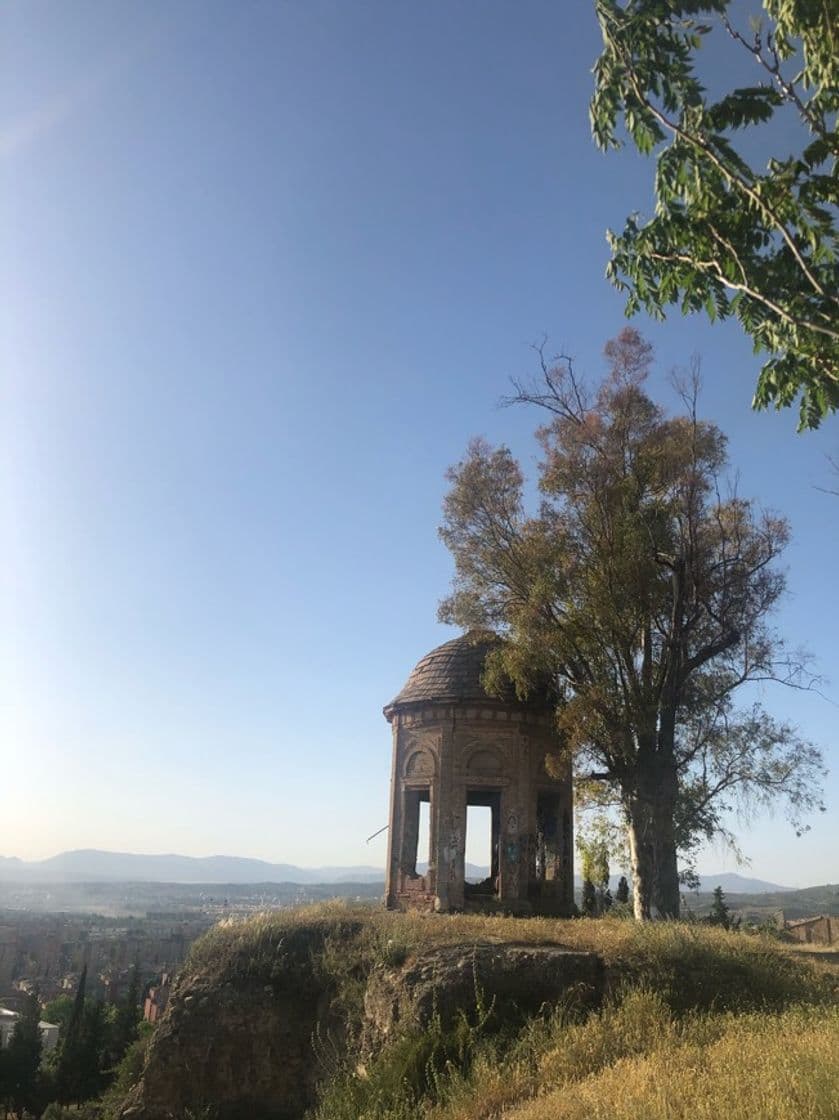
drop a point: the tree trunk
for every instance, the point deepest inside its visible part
(650, 810)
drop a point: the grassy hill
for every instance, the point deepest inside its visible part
(694, 1022)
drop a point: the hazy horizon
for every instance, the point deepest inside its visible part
(269, 268)
(743, 870)
(122, 867)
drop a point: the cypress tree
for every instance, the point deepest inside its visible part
(589, 906)
(720, 914)
(67, 1080)
(91, 1052)
(126, 1020)
(23, 1058)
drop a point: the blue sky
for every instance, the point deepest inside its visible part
(268, 267)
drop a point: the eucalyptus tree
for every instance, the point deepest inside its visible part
(643, 589)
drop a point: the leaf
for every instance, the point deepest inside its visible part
(817, 152)
(743, 107)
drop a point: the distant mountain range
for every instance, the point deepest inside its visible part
(91, 866)
(733, 883)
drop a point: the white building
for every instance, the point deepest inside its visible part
(8, 1019)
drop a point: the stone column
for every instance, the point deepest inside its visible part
(510, 846)
(449, 824)
(514, 822)
(394, 839)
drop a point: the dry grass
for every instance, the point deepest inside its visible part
(772, 1067)
(637, 1060)
(817, 950)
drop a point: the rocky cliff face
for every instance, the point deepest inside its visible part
(236, 1041)
(248, 1040)
(246, 1052)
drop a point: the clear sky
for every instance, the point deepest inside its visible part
(267, 267)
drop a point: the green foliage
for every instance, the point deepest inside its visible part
(59, 1011)
(22, 1059)
(415, 1068)
(88, 1111)
(126, 1076)
(393, 954)
(727, 237)
(595, 861)
(594, 853)
(90, 1074)
(123, 1023)
(589, 900)
(694, 972)
(80, 1070)
(720, 914)
(101, 1050)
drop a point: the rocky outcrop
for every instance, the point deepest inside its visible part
(514, 980)
(245, 1052)
(236, 1037)
(247, 1048)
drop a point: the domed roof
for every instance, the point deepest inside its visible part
(452, 672)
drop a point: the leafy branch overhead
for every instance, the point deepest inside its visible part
(729, 237)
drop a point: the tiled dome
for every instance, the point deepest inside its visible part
(452, 672)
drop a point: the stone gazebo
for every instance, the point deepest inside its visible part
(455, 746)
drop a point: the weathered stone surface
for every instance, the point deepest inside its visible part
(515, 979)
(246, 1051)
